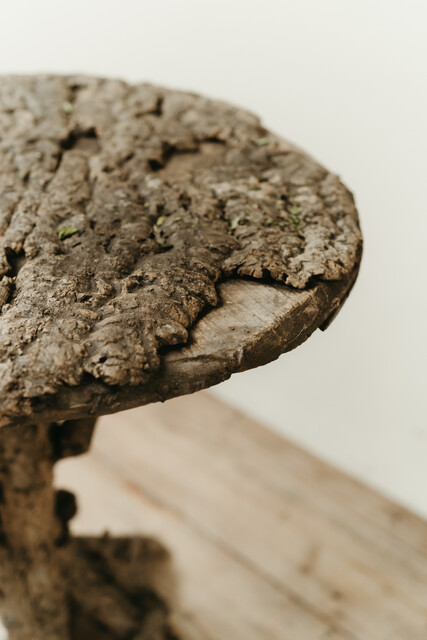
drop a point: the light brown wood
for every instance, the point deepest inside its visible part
(267, 542)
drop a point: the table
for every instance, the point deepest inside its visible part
(128, 212)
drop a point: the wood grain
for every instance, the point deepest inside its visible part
(267, 541)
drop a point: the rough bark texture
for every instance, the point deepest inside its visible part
(33, 600)
(52, 586)
(254, 324)
(121, 207)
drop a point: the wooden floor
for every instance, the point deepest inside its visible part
(268, 542)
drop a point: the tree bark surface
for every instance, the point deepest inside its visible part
(54, 586)
(33, 600)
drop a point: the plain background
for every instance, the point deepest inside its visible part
(346, 80)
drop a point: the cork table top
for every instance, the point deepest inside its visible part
(153, 242)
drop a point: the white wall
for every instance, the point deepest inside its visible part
(346, 79)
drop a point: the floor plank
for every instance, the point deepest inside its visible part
(268, 542)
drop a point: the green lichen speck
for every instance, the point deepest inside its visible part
(67, 107)
(66, 232)
(262, 142)
(235, 223)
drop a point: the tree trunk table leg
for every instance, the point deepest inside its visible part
(54, 586)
